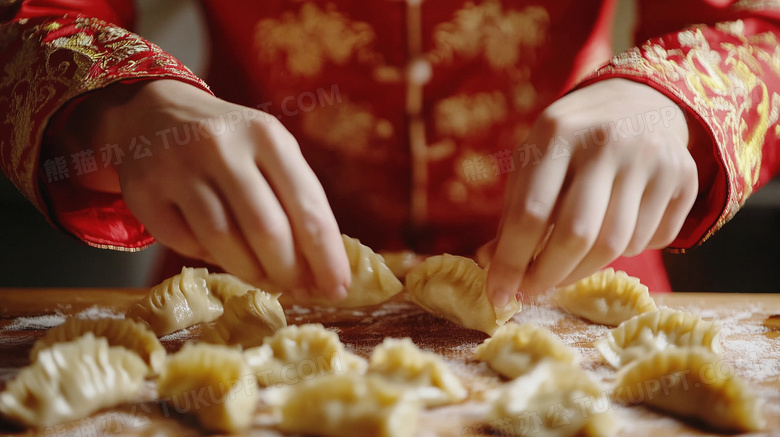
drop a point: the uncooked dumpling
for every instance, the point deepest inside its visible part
(646, 333)
(214, 383)
(247, 320)
(691, 382)
(606, 297)
(346, 405)
(134, 336)
(453, 288)
(400, 262)
(72, 380)
(515, 349)
(553, 400)
(401, 362)
(299, 353)
(178, 302)
(225, 286)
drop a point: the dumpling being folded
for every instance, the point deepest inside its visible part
(515, 349)
(178, 302)
(691, 382)
(453, 288)
(646, 333)
(606, 297)
(401, 362)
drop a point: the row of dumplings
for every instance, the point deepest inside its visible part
(668, 359)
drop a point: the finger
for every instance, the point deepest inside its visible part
(314, 227)
(485, 253)
(529, 203)
(651, 211)
(204, 212)
(264, 225)
(617, 229)
(676, 213)
(577, 225)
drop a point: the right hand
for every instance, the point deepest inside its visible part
(245, 200)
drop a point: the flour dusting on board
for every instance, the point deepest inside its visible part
(95, 312)
(35, 323)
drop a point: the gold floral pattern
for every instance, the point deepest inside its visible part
(305, 42)
(465, 115)
(486, 30)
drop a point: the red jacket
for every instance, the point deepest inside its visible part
(406, 111)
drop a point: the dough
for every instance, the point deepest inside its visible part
(214, 383)
(401, 362)
(72, 380)
(650, 332)
(178, 302)
(132, 335)
(299, 353)
(606, 297)
(225, 286)
(553, 400)
(247, 320)
(401, 262)
(691, 382)
(346, 405)
(515, 349)
(453, 288)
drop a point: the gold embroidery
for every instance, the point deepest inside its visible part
(350, 128)
(502, 37)
(464, 115)
(306, 41)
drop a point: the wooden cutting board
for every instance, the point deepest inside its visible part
(752, 351)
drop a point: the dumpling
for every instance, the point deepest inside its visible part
(225, 286)
(299, 353)
(346, 405)
(372, 281)
(247, 320)
(213, 382)
(649, 332)
(552, 400)
(178, 302)
(401, 362)
(130, 334)
(515, 349)
(400, 262)
(72, 380)
(606, 297)
(691, 382)
(453, 288)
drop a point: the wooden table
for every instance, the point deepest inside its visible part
(751, 351)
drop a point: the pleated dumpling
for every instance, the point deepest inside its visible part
(299, 353)
(453, 288)
(219, 371)
(694, 383)
(552, 400)
(132, 335)
(346, 405)
(515, 349)
(400, 262)
(401, 362)
(72, 380)
(606, 297)
(247, 320)
(178, 302)
(650, 332)
(225, 286)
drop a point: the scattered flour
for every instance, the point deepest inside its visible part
(95, 312)
(180, 335)
(35, 323)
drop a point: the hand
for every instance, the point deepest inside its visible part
(244, 199)
(604, 186)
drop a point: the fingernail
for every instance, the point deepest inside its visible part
(341, 292)
(501, 299)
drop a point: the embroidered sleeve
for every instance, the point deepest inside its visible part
(47, 61)
(726, 76)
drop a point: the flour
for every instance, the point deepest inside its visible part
(95, 312)
(35, 323)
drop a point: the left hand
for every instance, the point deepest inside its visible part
(614, 178)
